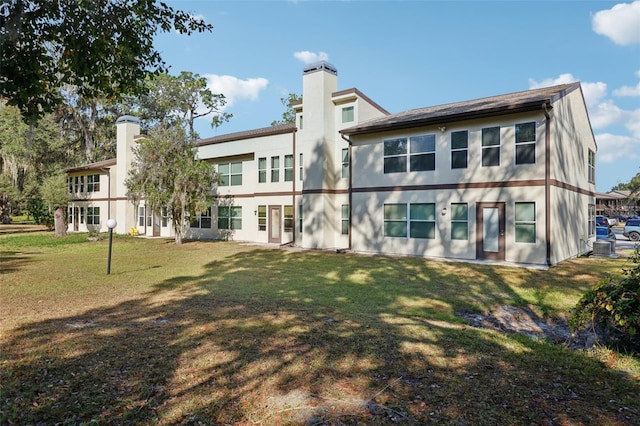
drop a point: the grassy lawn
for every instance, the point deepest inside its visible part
(224, 333)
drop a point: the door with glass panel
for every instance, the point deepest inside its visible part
(490, 227)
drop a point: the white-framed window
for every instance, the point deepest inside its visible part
(347, 114)
(70, 184)
(230, 173)
(93, 215)
(526, 143)
(288, 168)
(525, 222)
(262, 170)
(229, 217)
(93, 183)
(490, 146)
(81, 215)
(202, 220)
(262, 218)
(300, 167)
(459, 149)
(345, 163)
(300, 218)
(81, 183)
(459, 221)
(344, 219)
(275, 169)
(592, 220)
(288, 218)
(420, 151)
(592, 166)
(70, 215)
(76, 185)
(164, 213)
(420, 222)
(141, 216)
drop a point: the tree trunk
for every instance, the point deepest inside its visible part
(59, 223)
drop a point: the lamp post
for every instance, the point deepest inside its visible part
(111, 223)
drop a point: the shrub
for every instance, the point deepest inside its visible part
(613, 306)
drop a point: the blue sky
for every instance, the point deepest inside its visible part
(413, 54)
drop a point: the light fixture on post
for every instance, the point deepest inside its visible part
(111, 223)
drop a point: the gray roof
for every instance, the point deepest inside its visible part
(94, 166)
(529, 100)
(248, 134)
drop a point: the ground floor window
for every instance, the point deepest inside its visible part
(229, 217)
(416, 220)
(525, 222)
(202, 220)
(70, 215)
(592, 220)
(300, 218)
(141, 216)
(93, 215)
(288, 218)
(262, 218)
(165, 217)
(81, 214)
(459, 221)
(344, 221)
(395, 220)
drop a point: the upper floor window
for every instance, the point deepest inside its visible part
(459, 221)
(275, 169)
(421, 151)
(345, 163)
(459, 149)
(93, 183)
(76, 185)
(491, 146)
(592, 166)
(347, 114)
(262, 170)
(300, 165)
(81, 183)
(230, 173)
(525, 222)
(288, 168)
(526, 143)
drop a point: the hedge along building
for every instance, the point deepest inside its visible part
(509, 177)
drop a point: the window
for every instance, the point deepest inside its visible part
(262, 218)
(70, 214)
(395, 155)
(230, 173)
(81, 214)
(288, 168)
(459, 149)
(592, 166)
(422, 220)
(344, 221)
(141, 216)
(288, 218)
(526, 143)
(592, 220)
(459, 221)
(525, 222)
(422, 150)
(229, 217)
(300, 218)
(347, 114)
(93, 183)
(262, 170)
(490, 146)
(395, 220)
(345, 163)
(149, 218)
(93, 215)
(70, 183)
(202, 220)
(81, 183)
(300, 166)
(75, 185)
(275, 169)
(164, 212)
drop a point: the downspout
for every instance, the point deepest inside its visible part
(547, 179)
(293, 194)
(349, 189)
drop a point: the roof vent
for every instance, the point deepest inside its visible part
(128, 119)
(320, 66)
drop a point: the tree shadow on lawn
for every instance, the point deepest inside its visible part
(275, 337)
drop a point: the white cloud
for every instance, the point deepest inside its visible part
(610, 147)
(311, 57)
(628, 91)
(234, 88)
(593, 92)
(620, 23)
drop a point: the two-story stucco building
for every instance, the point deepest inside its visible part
(508, 178)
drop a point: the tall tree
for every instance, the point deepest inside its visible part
(166, 174)
(103, 47)
(181, 100)
(56, 198)
(289, 116)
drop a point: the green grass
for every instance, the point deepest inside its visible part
(224, 333)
